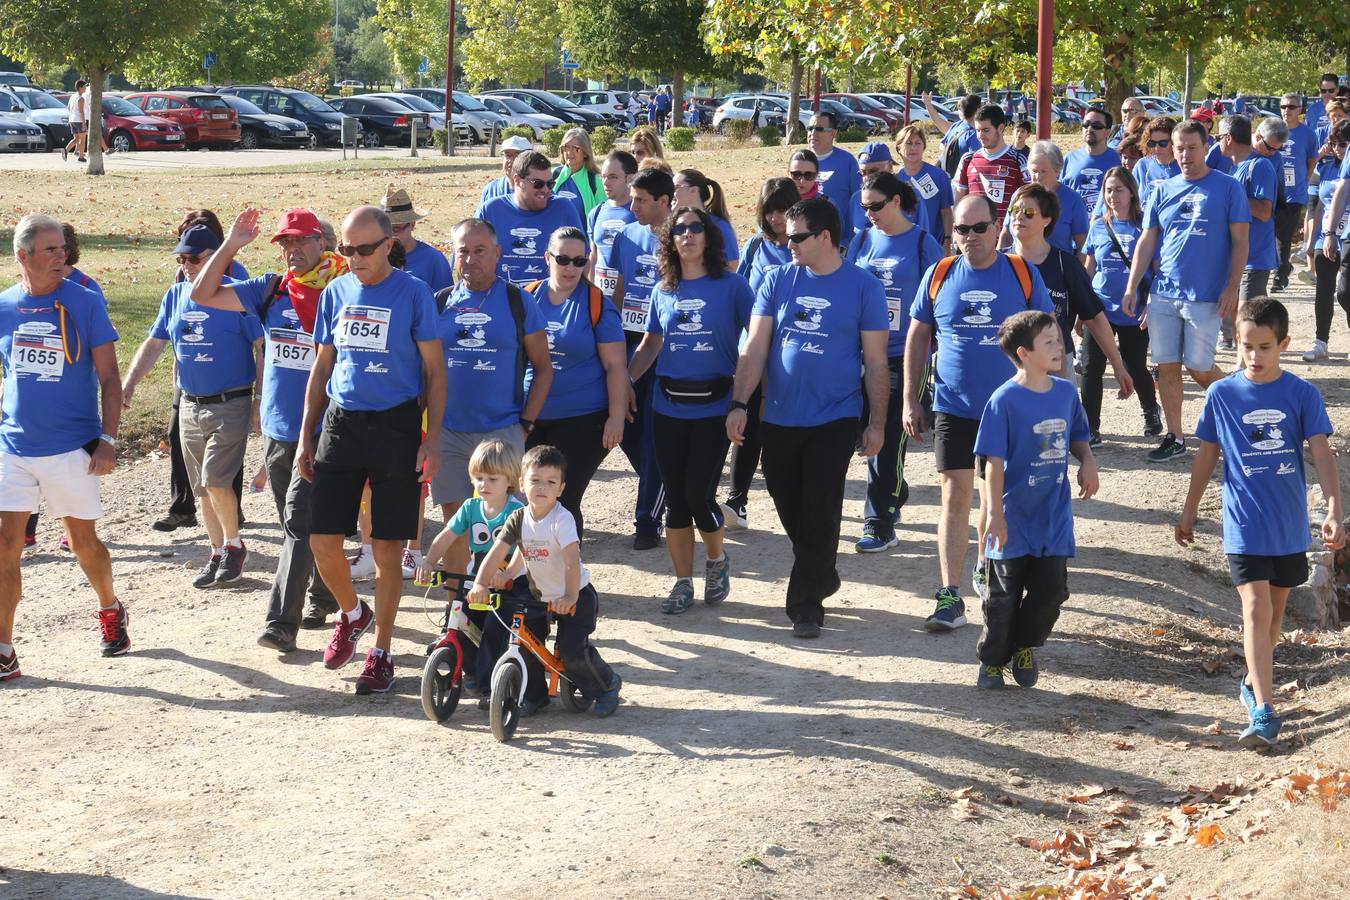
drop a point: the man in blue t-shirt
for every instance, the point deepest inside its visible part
(1084, 168)
(1299, 158)
(378, 366)
(216, 355)
(838, 175)
(976, 293)
(505, 184)
(609, 218)
(633, 259)
(963, 130)
(286, 307)
(420, 258)
(56, 438)
(525, 220)
(1195, 225)
(1258, 173)
(1327, 86)
(814, 326)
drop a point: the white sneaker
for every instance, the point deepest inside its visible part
(1316, 352)
(1306, 277)
(733, 518)
(411, 560)
(363, 565)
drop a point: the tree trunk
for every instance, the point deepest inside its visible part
(794, 122)
(1189, 89)
(677, 97)
(93, 120)
(1118, 72)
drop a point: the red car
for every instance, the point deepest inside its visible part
(860, 103)
(204, 118)
(126, 127)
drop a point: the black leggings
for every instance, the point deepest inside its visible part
(1133, 342)
(1325, 303)
(690, 453)
(745, 457)
(579, 439)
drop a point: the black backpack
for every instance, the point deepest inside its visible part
(951, 156)
(517, 303)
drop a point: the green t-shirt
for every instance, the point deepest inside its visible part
(471, 519)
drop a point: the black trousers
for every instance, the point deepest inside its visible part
(1133, 343)
(182, 502)
(296, 573)
(745, 458)
(690, 454)
(804, 469)
(1327, 295)
(1287, 222)
(579, 438)
(591, 674)
(886, 488)
(1343, 281)
(1025, 594)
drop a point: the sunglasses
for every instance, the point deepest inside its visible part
(1095, 126)
(538, 183)
(875, 207)
(803, 176)
(350, 250)
(1029, 212)
(1290, 106)
(801, 236)
(817, 129)
(680, 228)
(187, 259)
(1326, 90)
(577, 261)
(978, 228)
(1160, 144)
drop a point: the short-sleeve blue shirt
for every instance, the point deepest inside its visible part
(934, 188)
(1084, 172)
(214, 347)
(1192, 218)
(1299, 149)
(1111, 271)
(701, 321)
(898, 262)
(430, 265)
(633, 256)
(603, 225)
(579, 385)
(288, 359)
(482, 349)
(523, 234)
(1257, 176)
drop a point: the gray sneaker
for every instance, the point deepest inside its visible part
(208, 573)
(990, 677)
(232, 566)
(680, 599)
(717, 580)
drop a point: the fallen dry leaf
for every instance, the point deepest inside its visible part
(1211, 666)
(1207, 835)
(961, 793)
(1215, 727)
(964, 810)
(1123, 745)
(1255, 827)
(1120, 808)
(1085, 793)
(1288, 687)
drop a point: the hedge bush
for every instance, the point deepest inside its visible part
(553, 139)
(603, 140)
(770, 136)
(524, 131)
(854, 135)
(738, 131)
(679, 139)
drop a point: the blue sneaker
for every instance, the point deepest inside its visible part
(717, 580)
(876, 538)
(1247, 697)
(1264, 730)
(680, 599)
(950, 613)
(608, 701)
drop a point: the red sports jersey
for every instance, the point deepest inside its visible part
(997, 178)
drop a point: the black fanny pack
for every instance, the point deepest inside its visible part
(686, 390)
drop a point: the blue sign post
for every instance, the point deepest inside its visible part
(424, 67)
(568, 63)
(208, 61)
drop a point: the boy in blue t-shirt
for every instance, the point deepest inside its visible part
(1260, 417)
(1030, 426)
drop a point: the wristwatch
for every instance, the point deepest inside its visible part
(736, 404)
(527, 424)
(108, 439)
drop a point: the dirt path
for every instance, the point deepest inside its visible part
(742, 763)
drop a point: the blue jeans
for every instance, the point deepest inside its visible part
(639, 445)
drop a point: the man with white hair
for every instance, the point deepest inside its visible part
(62, 403)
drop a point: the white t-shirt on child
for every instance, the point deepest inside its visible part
(542, 542)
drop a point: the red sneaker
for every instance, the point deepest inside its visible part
(113, 622)
(377, 675)
(9, 666)
(345, 635)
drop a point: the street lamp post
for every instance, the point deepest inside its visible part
(449, 78)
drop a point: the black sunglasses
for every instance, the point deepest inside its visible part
(1095, 126)
(680, 228)
(185, 259)
(875, 207)
(350, 250)
(819, 128)
(1326, 90)
(804, 176)
(578, 261)
(1290, 106)
(978, 228)
(802, 235)
(538, 183)
(1165, 142)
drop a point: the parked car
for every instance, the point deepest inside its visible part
(613, 105)
(553, 105)
(384, 121)
(896, 102)
(20, 134)
(37, 108)
(743, 107)
(15, 78)
(206, 119)
(263, 129)
(1161, 106)
(349, 83)
(324, 122)
(434, 112)
(518, 113)
(479, 119)
(869, 106)
(126, 127)
(847, 118)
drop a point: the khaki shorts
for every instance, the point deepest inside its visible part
(214, 436)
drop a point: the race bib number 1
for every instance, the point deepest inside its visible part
(362, 328)
(635, 310)
(38, 355)
(291, 349)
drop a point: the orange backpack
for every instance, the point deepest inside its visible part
(944, 265)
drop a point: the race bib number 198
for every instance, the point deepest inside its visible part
(608, 280)
(291, 349)
(362, 328)
(39, 355)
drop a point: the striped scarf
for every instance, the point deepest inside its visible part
(305, 289)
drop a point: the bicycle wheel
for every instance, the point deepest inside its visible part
(504, 708)
(573, 700)
(440, 691)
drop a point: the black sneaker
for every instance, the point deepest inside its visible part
(805, 630)
(208, 575)
(174, 521)
(113, 623)
(316, 614)
(990, 678)
(232, 566)
(1024, 669)
(1169, 449)
(274, 637)
(1153, 424)
(1095, 440)
(646, 539)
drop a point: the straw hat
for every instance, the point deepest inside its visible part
(399, 207)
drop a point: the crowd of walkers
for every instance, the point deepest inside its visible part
(607, 303)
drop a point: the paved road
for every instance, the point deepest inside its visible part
(180, 160)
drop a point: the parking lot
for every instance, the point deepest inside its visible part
(159, 160)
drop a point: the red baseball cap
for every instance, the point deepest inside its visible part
(297, 223)
(1203, 115)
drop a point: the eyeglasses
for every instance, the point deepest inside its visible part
(1029, 212)
(1158, 145)
(538, 183)
(184, 259)
(576, 261)
(350, 250)
(1326, 90)
(875, 207)
(978, 228)
(680, 228)
(1095, 126)
(1290, 106)
(817, 129)
(803, 176)
(1131, 110)
(801, 236)
(290, 241)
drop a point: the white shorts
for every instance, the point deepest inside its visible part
(63, 480)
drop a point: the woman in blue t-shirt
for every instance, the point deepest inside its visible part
(1109, 253)
(1325, 269)
(696, 190)
(583, 415)
(693, 333)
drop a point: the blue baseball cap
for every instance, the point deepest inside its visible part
(875, 152)
(197, 240)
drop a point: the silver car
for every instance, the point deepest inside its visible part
(436, 114)
(517, 112)
(19, 134)
(478, 117)
(38, 108)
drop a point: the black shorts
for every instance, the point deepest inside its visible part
(379, 447)
(954, 441)
(1287, 571)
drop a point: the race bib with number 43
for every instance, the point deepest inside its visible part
(362, 328)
